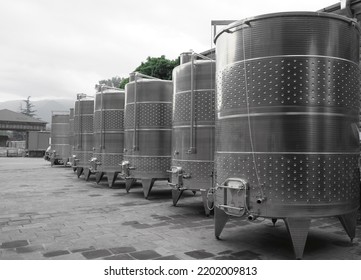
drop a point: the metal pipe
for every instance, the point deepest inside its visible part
(101, 120)
(135, 135)
(192, 149)
(135, 114)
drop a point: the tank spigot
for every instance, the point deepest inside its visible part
(252, 217)
(260, 200)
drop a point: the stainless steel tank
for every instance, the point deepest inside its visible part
(193, 127)
(287, 143)
(71, 135)
(148, 130)
(83, 135)
(108, 133)
(60, 144)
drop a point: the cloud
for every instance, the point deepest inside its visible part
(55, 49)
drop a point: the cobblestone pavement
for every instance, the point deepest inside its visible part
(48, 213)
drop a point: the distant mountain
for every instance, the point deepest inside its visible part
(43, 107)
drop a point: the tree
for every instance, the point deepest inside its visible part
(158, 67)
(28, 110)
(113, 82)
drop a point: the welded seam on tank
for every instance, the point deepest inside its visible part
(187, 160)
(83, 115)
(105, 153)
(87, 133)
(136, 156)
(286, 56)
(197, 90)
(150, 102)
(197, 125)
(109, 110)
(291, 153)
(284, 114)
(61, 144)
(149, 129)
(107, 131)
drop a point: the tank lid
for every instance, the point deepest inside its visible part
(185, 57)
(246, 22)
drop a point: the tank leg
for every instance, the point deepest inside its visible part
(220, 220)
(79, 171)
(74, 169)
(348, 222)
(205, 202)
(176, 194)
(298, 230)
(111, 176)
(99, 177)
(274, 221)
(128, 183)
(87, 174)
(52, 162)
(147, 186)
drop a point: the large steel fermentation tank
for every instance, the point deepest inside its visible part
(147, 131)
(108, 133)
(193, 126)
(71, 135)
(83, 135)
(287, 143)
(60, 141)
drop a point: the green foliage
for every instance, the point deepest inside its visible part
(28, 110)
(113, 82)
(123, 83)
(158, 67)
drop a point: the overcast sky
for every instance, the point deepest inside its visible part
(56, 48)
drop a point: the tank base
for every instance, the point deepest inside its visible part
(79, 171)
(176, 194)
(87, 173)
(99, 177)
(147, 186)
(111, 176)
(207, 209)
(128, 183)
(348, 222)
(298, 230)
(220, 220)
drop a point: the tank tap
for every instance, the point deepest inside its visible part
(260, 199)
(252, 217)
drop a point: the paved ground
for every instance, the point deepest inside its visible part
(48, 213)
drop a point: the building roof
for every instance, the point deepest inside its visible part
(11, 116)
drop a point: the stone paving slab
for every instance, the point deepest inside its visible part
(47, 213)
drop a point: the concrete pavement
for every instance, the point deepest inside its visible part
(48, 213)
